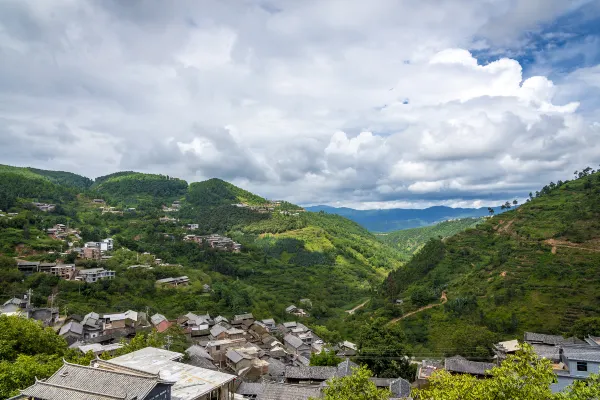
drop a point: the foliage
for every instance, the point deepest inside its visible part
(22, 372)
(522, 376)
(215, 192)
(355, 387)
(325, 358)
(128, 187)
(410, 241)
(383, 350)
(586, 327)
(24, 336)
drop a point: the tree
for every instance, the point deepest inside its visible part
(507, 205)
(355, 387)
(25, 336)
(381, 348)
(521, 376)
(23, 371)
(325, 358)
(586, 326)
(515, 202)
(588, 389)
(491, 210)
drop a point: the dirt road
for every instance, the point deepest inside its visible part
(357, 307)
(443, 299)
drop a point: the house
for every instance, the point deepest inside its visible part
(141, 266)
(157, 319)
(95, 274)
(503, 349)
(199, 357)
(277, 391)
(347, 349)
(237, 360)
(290, 309)
(14, 306)
(107, 244)
(98, 201)
(45, 207)
(309, 375)
(206, 288)
(220, 319)
(218, 348)
(425, 369)
(74, 381)
(163, 326)
(92, 325)
(399, 387)
(578, 361)
(269, 323)
(173, 282)
(48, 316)
(191, 227)
(540, 338)
(460, 365)
(128, 319)
(71, 332)
(28, 267)
(64, 271)
(92, 253)
(243, 319)
(190, 382)
(296, 346)
(345, 368)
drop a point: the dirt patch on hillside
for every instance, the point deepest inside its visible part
(443, 299)
(505, 228)
(503, 274)
(588, 246)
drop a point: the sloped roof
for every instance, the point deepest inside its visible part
(279, 391)
(294, 341)
(76, 382)
(543, 338)
(157, 319)
(72, 326)
(198, 351)
(311, 372)
(240, 317)
(462, 365)
(217, 330)
(400, 388)
(345, 368)
(582, 353)
(250, 388)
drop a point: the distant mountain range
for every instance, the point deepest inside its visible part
(399, 218)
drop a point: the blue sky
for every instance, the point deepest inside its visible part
(365, 104)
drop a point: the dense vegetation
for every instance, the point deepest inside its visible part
(131, 187)
(410, 241)
(215, 192)
(533, 268)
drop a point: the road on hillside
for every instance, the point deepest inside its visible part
(443, 299)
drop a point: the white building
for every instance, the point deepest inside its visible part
(95, 274)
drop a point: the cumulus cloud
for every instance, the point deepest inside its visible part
(373, 104)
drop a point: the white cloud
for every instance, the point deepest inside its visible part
(372, 104)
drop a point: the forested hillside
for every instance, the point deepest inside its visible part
(409, 241)
(287, 254)
(533, 268)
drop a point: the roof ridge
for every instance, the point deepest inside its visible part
(127, 370)
(79, 390)
(142, 374)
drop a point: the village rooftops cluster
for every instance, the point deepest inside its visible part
(45, 207)
(215, 241)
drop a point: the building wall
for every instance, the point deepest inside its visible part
(592, 368)
(160, 392)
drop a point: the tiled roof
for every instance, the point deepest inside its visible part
(276, 367)
(582, 353)
(312, 373)
(250, 388)
(543, 338)
(551, 353)
(198, 351)
(294, 341)
(277, 391)
(76, 382)
(462, 365)
(72, 326)
(217, 330)
(400, 388)
(345, 368)
(157, 319)
(234, 356)
(243, 316)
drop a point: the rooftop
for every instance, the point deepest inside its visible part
(531, 337)
(462, 365)
(310, 373)
(582, 353)
(191, 382)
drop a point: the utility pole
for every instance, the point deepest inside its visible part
(168, 344)
(29, 294)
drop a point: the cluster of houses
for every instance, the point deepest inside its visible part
(176, 206)
(572, 359)
(167, 220)
(22, 307)
(45, 207)
(61, 232)
(65, 271)
(8, 215)
(215, 241)
(299, 312)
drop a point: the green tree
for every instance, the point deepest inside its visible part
(586, 326)
(21, 372)
(28, 337)
(588, 389)
(382, 349)
(521, 376)
(355, 387)
(325, 358)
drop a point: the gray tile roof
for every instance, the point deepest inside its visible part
(551, 353)
(345, 368)
(73, 326)
(462, 365)
(76, 382)
(198, 351)
(234, 356)
(400, 388)
(581, 353)
(217, 330)
(531, 337)
(243, 316)
(278, 391)
(250, 388)
(293, 341)
(276, 367)
(310, 373)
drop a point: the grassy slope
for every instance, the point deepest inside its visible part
(409, 241)
(134, 187)
(533, 268)
(215, 192)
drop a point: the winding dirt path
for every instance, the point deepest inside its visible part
(357, 307)
(562, 243)
(443, 299)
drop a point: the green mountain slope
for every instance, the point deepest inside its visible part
(409, 241)
(215, 192)
(21, 185)
(287, 254)
(133, 187)
(533, 268)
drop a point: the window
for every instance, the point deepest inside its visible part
(581, 366)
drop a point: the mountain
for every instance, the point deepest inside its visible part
(132, 187)
(287, 254)
(398, 218)
(409, 241)
(214, 192)
(534, 268)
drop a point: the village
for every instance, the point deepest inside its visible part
(242, 357)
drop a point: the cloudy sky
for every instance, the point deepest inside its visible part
(370, 104)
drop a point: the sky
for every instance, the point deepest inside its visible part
(366, 104)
